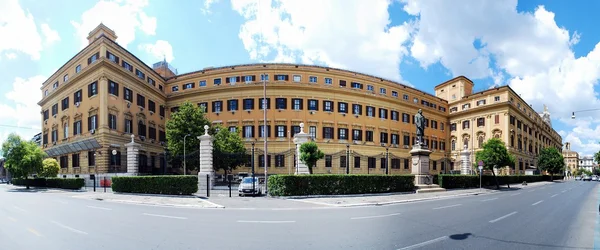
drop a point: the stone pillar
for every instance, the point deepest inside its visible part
(465, 157)
(206, 161)
(420, 165)
(299, 139)
(132, 153)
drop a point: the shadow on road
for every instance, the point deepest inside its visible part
(41, 190)
(467, 235)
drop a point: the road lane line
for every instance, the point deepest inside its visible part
(456, 205)
(537, 203)
(490, 199)
(374, 216)
(553, 195)
(425, 243)
(69, 228)
(166, 216)
(531, 190)
(515, 194)
(31, 230)
(266, 221)
(20, 209)
(503, 217)
(11, 218)
(563, 191)
(103, 208)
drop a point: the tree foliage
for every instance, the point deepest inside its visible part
(228, 150)
(50, 168)
(23, 158)
(494, 155)
(551, 161)
(189, 119)
(310, 154)
(597, 156)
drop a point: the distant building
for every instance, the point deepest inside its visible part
(37, 139)
(587, 162)
(571, 159)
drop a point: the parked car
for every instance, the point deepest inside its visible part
(594, 178)
(578, 178)
(246, 186)
(587, 178)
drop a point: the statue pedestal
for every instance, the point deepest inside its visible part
(420, 165)
(466, 165)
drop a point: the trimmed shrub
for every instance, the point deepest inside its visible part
(66, 183)
(335, 184)
(472, 181)
(161, 184)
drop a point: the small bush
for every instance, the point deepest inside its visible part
(332, 184)
(163, 184)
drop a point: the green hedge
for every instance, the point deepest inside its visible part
(163, 184)
(471, 181)
(66, 183)
(333, 184)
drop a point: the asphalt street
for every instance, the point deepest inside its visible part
(555, 216)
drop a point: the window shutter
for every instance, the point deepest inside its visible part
(253, 78)
(238, 79)
(89, 123)
(89, 60)
(89, 90)
(287, 77)
(226, 79)
(316, 105)
(301, 104)
(213, 106)
(252, 131)
(116, 89)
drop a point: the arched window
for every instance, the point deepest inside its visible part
(453, 144)
(497, 136)
(480, 141)
(512, 141)
(466, 143)
(141, 128)
(66, 129)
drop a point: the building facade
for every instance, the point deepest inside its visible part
(93, 104)
(587, 163)
(571, 159)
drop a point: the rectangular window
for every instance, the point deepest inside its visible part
(342, 134)
(217, 106)
(203, 106)
(328, 106)
(328, 81)
(480, 122)
(496, 98)
(356, 161)
(189, 85)
(202, 83)
(313, 105)
(113, 88)
(356, 109)
(248, 104)
(152, 133)
(383, 137)
(357, 135)
(280, 131)
(405, 118)
(151, 81)
(343, 162)
(369, 136)
(217, 81)
(232, 129)
(92, 89)
(141, 128)
(55, 85)
(77, 127)
(261, 161)
(297, 104)
(297, 78)
(312, 79)
(232, 105)
(328, 159)
(232, 80)
(249, 78)
(280, 103)
(279, 161)
(151, 106)
(281, 77)
(126, 65)
(92, 122)
(262, 103)
(382, 91)
(264, 77)
(112, 121)
(383, 113)
(128, 126)
(452, 126)
(371, 162)
(342, 83)
(327, 132)
(140, 74)
(55, 109)
(356, 85)
(161, 110)
(78, 96)
(141, 101)
(248, 131)
(46, 114)
(342, 107)
(93, 58)
(295, 130)
(394, 93)
(91, 158)
(65, 103)
(395, 115)
(78, 68)
(112, 57)
(261, 129)
(312, 131)
(497, 119)
(66, 78)
(370, 111)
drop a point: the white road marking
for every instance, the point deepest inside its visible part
(553, 195)
(266, 221)
(497, 219)
(515, 194)
(20, 209)
(103, 208)
(531, 190)
(456, 205)
(166, 216)
(69, 228)
(374, 216)
(537, 203)
(425, 243)
(490, 199)
(31, 230)
(563, 191)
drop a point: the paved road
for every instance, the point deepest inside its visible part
(556, 216)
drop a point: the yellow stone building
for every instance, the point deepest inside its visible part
(571, 159)
(104, 94)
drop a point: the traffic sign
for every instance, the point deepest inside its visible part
(480, 163)
(480, 168)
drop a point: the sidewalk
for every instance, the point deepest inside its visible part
(395, 198)
(190, 201)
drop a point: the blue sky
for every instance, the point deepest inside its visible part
(545, 50)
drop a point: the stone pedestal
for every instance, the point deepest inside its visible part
(132, 157)
(206, 161)
(299, 139)
(466, 166)
(420, 165)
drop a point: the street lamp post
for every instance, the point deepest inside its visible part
(114, 154)
(579, 111)
(347, 158)
(184, 165)
(252, 165)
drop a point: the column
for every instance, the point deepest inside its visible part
(465, 157)
(103, 108)
(132, 155)
(299, 139)
(206, 161)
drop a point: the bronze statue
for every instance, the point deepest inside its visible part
(420, 124)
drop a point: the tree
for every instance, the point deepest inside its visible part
(494, 155)
(228, 150)
(50, 168)
(189, 119)
(310, 154)
(597, 156)
(551, 161)
(22, 158)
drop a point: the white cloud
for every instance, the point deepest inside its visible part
(531, 53)
(50, 35)
(205, 9)
(349, 34)
(161, 50)
(11, 55)
(19, 108)
(125, 17)
(19, 32)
